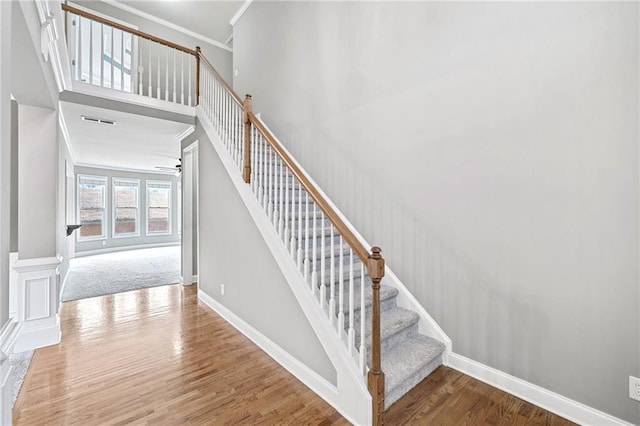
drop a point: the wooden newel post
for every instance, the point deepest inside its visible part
(197, 75)
(248, 108)
(375, 379)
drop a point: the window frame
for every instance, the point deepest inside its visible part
(169, 185)
(136, 182)
(105, 220)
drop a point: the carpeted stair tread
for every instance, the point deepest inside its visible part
(392, 321)
(405, 360)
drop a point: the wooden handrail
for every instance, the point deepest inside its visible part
(342, 228)
(222, 81)
(126, 29)
(374, 261)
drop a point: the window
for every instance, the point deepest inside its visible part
(125, 207)
(102, 55)
(158, 207)
(91, 206)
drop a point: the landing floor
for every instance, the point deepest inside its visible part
(157, 356)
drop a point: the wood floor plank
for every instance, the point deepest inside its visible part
(160, 357)
(463, 400)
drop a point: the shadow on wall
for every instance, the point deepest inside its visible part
(437, 274)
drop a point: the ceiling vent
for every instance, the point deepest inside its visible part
(98, 120)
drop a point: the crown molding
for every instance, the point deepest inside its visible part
(153, 18)
(186, 133)
(125, 169)
(65, 134)
(240, 12)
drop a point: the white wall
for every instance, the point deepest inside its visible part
(234, 253)
(491, 149)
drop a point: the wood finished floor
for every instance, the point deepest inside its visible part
(157, 356)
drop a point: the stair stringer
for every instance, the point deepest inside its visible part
(426, 324)
(350, 396)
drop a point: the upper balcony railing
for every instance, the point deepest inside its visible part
(106, 54)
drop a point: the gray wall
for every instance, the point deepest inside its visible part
(491, 149)
(37, 181)
(234, 253)
(220, 58)
(123, 242)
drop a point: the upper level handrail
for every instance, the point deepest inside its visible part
(344, 230)
(221, 79)
(130, 30)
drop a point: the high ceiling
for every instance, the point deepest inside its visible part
(206, 17)
(134, 142)
(139, 142)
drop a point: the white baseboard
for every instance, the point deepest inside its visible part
(125, 248)
(8, 336)
(13, 285)
(38, 338)
(550, 401)
(310, 378)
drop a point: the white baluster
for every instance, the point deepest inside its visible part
(254, 163)
(363, 316)
(140, 69)
(314, 261)
(101, 55)
(260, 169)
(189, 89)
(112, 58)
(166, 76)
(351, 336)
(341, 290)
(79, 53)
(122, 63)
(182, 77)
(306, 240)
(150, 94)
(285, 232)
(90, 52)
(174, 76)
(332, 285)
(292, 243)
(159, 77)
(299, 237)
(280, 202)
(276, 188)
(269, 195)
(323, 285)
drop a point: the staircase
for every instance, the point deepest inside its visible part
(378, 337)
(407, 356)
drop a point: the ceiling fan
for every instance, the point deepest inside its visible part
(177, 169)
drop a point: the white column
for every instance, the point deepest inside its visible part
(37, 264)
(37, 308)
(189, 163)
